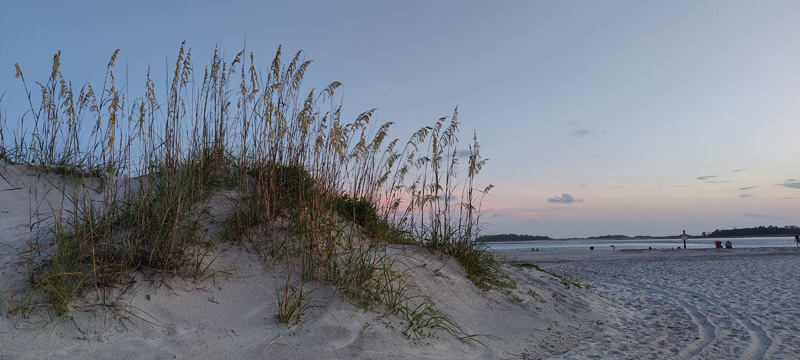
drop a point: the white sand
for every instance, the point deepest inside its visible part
(689, 304)
(704, 304)
(233, 313)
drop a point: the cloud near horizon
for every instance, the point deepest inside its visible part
(791, 183)
(764, 216)
(450, 197)
(706, 177)
(564, 199)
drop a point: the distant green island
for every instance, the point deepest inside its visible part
(511, 237)
(624, 237)
(790, 230)
(755, 231)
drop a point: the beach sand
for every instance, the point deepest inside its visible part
(704, 304)
(232, 314)
(688, 304)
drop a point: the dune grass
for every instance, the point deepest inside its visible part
(311, 191)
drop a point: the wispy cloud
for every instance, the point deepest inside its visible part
(564, 199)
(528, 214)
(533, 221)
(766, 216)
(745, 195)
(748, 188)
(578, 128)
(791, 183)
(739, 170)
(703, 178)
(496, 215)
(462, 153)
(580, 132)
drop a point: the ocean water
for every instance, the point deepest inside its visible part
(621, 244)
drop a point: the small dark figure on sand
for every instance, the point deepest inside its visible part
(797, 240)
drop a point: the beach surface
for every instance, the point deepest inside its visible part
(659, 304)
(233, 312)
(687, 304)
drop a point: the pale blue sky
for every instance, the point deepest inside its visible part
(653, 117)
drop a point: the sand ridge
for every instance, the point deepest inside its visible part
(659, 304)
(232, 314)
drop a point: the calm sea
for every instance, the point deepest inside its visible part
(670, 243)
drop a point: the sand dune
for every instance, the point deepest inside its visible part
(671, 304)
(232, 314)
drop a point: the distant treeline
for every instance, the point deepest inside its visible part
(744, 232)
(620, 237)
(511, 237)
(756, 231)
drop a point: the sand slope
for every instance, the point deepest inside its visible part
(232, 314)
(659, 304)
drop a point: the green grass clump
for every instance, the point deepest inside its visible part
(360, 211)
(566, 281)
(291, 305)
(309, 190)
(481, 267)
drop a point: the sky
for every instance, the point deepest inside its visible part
(598, 117)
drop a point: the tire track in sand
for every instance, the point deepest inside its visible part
(706, 330)
(758, 343)
(722, 332)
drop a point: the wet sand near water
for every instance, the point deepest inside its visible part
(687, 304)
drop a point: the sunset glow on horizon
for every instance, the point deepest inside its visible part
(608, 117)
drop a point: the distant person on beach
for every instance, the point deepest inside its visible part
(728, 244)
(797, 240)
